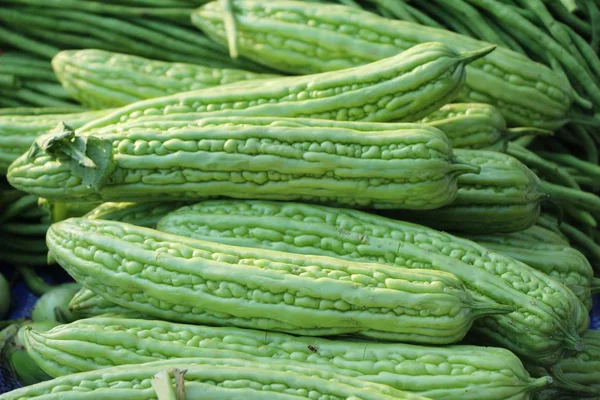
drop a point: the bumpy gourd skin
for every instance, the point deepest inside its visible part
(100, 79)
(404, 87)
(437, 372)
(410, 167)
(18, 132)
(559, 261)
(302, 37)
(188, 280)
(471, 126)
(505, 196)
(543, 329)
(210, 379)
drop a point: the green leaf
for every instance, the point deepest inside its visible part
(89, 157)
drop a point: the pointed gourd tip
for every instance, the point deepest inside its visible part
(466, 168)
(470, 56)
(485, 308)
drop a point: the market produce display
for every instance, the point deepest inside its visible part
(288, 199)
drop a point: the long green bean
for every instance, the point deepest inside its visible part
(589, 55)
(423, 18)
(17, 207)
(70, 40)
(397, 9)
(584, 167)
(20, 258)
(462, 10)
(9, 81)
(36, 98)
(521, 25)
(550, 170)
(562, 14)
(442, 15)
(22, 71)
(506, 39)
(559, 31)
(51, 89)
(587, 244)
(594, 12)
(107, 8)
(23, 59)
(7, 102)
(581, 216)
(24, 229)
(40, 111)
(24, 43)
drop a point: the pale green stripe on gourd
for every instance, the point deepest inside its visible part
(18, 132)
(409, 167)
(404, 87)
(476, 126)
(301, 37)
(559, 261)
(454, 372)
(100, 79)
(548, 313)
(142, 214)
(188, 280)
(206, 378)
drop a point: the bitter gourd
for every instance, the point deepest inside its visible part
(206, 378)
(559, 261)
(301, 37)
(454, 372)
(404, 87)
(188, 280)
(101, 79)
(577, 376)
(410, 167)
(543, 328)
(505, 196)
(18, 132)
(476, 126)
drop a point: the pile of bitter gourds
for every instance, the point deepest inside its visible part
(301, 199)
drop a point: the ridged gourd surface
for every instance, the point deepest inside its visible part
(437, 372)
(301, 37)
(100, 79)
(210, 378)
(404, 87)
(470, 126)
(547, 315)
(411, 167)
